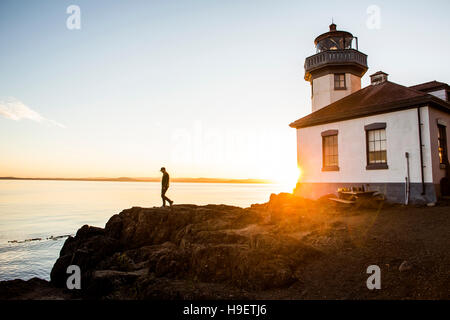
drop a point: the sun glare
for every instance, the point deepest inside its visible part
(288, 176)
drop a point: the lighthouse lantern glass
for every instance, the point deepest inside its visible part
(334, 43)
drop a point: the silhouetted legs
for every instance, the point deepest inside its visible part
(164, 198)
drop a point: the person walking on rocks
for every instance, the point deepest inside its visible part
(164, 187)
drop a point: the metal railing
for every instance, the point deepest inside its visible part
(337, 56)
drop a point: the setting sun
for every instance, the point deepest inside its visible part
(288, 176)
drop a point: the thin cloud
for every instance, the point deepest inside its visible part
(16, 110)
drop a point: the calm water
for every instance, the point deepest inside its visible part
(41, 209)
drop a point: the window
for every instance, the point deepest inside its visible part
(376, 146)
(339, 81)
(442, 145)
(330, 151)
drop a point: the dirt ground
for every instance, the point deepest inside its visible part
(357, 238)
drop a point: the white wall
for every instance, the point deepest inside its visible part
(401, 134)
(426, 147)
(324, 93)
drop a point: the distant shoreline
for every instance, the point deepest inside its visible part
(126, 179)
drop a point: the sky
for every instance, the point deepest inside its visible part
(206, 88)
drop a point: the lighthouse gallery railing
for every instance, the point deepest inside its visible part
(336, 56)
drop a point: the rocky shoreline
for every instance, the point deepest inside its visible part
(287, 248)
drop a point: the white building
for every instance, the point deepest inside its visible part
(384, 137)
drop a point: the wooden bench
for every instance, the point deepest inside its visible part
(342, 200)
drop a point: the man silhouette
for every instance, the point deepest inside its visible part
(164, 187)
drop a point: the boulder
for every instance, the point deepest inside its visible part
(215, 244)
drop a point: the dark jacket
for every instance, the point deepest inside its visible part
(165, 180)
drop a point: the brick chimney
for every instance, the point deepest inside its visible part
(378, 78)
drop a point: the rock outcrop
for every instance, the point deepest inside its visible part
(153, 252)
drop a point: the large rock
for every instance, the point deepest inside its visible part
(215, 244)
(89, 246)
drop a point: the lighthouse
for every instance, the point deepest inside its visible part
(385, 138)
(336, 69)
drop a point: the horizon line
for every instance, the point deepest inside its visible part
(148, 179)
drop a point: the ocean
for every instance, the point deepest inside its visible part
(36, 216)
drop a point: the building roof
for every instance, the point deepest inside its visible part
(430, 86)
(373, 99)
(378, 73)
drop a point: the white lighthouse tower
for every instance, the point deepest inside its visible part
(336, 69)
